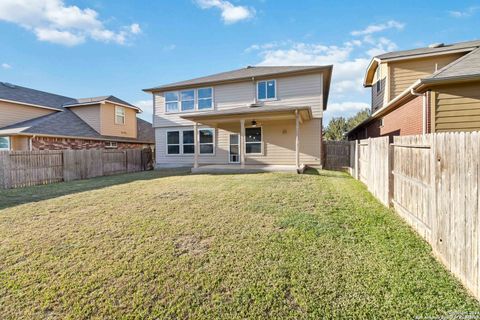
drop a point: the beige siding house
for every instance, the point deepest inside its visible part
(252, 116)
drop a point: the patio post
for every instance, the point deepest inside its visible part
(297, 140)
(195, 143)
(242, 143)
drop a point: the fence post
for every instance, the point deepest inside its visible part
(391, 165)
(357, 159)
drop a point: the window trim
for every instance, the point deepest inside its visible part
(180, 136)
(188, 144)
(124, 115)
(198, 99)
(261, 142)
(266, 81)
(9, 141)
(212, 143)
(180, 144)
(195, 100)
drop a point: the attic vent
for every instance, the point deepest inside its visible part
(8, 85)
(437, 45)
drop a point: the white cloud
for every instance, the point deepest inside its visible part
(6, 66)
(169, 47)
(54, 21)
(145, 105)
(374, 28)
(347, 106)
(230, 13)
(465, 13)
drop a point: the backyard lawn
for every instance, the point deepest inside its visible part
(181, 246)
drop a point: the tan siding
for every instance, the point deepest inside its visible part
(404, 73)
(378, 99)
(278, 138)
(302, 90)
(11, 113)
(19, 143)
(89, 114)
(457, 107)
(110, 128)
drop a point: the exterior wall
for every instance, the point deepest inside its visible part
(456, 107)
(380, 98)
(19, 143)
(89, 114)
(51, 143)
(405, 120)
(299, 90)
(278, 144)
(11, 113)
(404, 73)
(110, 128)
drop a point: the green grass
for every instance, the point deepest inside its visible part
(177, 246)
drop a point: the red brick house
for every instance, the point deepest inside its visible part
(37, 120)
(434, 89)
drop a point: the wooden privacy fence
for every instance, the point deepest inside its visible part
(433, 182)
(28, 168)
(337, 154)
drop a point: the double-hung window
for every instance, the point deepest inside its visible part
(171, 102)
(253, 140)
(266, 90)
(173, 142)
(4, 143)
(205, 98)
(206, 141)
(188, 142)
(188, 100)
(119, 115)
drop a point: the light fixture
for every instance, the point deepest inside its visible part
(254, 123)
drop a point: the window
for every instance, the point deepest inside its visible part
(111, 145)
(378, 83)
(266, 90)
(253, 140)
(171, 102)
(119, 115)
(188, 100)
(381, 122)
(188, 142)
(173, 142)
(207, 138)
(4, 143)
(205, 98)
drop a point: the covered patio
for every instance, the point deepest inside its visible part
(253, 143)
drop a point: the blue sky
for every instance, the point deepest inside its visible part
(94, 47)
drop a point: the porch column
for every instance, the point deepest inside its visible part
(195, 143)
(297, 140)
(242, 142)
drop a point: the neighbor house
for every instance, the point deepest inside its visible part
(37, 120)
(427, 90)
(250, 116)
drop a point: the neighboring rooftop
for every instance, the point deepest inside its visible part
(239, 74)
(17, 93)
(93, 100)
(437, 48)
(68, 124)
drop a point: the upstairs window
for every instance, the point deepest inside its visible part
(266, 90)
(188, 100)
(205, 98)
(4, 143)
(378, 83)
(171, 102)
(119, 115)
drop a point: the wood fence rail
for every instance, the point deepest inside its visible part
(433, 182)
(28, 168)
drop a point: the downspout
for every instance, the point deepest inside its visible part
(424, 109)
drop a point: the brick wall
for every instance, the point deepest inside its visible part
(49, 143)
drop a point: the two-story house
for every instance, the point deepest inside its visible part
(35, 120)
(262, 116)
(426, 90)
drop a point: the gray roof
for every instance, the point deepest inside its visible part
(98, 100)
(469, 45)
(68, 124)
(255, 109)
(244, 73)
(31, 96)
(466, 66)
